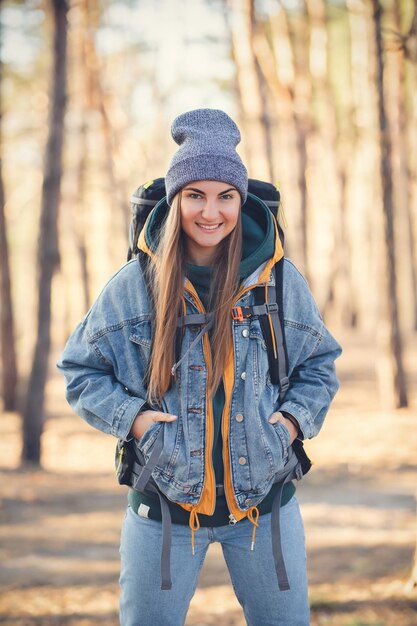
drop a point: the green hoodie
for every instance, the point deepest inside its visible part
(258, 246)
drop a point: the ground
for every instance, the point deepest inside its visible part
(60, 526)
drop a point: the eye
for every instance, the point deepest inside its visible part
(194, 196)
(227, 196)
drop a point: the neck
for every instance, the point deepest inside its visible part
(204, 257)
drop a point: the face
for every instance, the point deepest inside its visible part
(209, 212)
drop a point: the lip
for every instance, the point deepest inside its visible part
(209, 228)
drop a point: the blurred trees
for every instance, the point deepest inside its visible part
(251, 88)
(319, 102)
(392, 380)
(8, 352)
(326, 143)
(48, 254)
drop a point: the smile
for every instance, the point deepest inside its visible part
(209, 228)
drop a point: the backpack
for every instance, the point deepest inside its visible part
(131, 468)
(149, 194)
(145, 198)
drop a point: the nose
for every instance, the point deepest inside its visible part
(210, 210)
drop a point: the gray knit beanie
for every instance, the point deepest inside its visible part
(207, 140)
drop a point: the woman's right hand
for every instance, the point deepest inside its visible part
(145, 419)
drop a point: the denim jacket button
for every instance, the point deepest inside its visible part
(248, 501)
(239, 418)
(243, 375)
(242, 460)
(245, 332)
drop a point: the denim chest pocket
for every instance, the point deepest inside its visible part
(140, 336)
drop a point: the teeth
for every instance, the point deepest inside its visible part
(208, 227)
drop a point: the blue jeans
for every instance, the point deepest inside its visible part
(143, 603)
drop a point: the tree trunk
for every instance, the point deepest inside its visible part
(48, 254)
(80, 211)
(252, 104)
(8, 351)
(8, 385)
(391, 372)
(299, 39)
(410, 53)
(98, 101)
(362, 192)
(234, 88)
(411, 583)
(401, 165)
(256, 30)
(331, 172)
(275, 58)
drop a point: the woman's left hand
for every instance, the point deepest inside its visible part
(278, 417)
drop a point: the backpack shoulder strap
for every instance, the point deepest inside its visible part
(273, 331)
(279, 287)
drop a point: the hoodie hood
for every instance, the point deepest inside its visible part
(260, 237)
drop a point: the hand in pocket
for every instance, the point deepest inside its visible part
(145, 419)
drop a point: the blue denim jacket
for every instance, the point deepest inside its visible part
(104, 364)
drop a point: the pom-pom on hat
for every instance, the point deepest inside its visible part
(207, 140)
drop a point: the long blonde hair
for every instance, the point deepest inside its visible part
(167, 280)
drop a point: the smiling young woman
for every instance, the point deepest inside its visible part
(209, 213)
(204, 409)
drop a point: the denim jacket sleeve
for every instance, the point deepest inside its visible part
(312, 351)
(94, 390)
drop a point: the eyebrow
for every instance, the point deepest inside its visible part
(202, 192)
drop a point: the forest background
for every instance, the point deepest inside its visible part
(325, 94)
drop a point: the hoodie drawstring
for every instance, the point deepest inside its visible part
(194, 525)
(253, 516)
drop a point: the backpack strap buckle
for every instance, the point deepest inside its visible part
(240, 313)
(272, 307)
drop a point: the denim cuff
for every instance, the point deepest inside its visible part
(306, 426)
(284, 436)
(293, 421)
(125, 417)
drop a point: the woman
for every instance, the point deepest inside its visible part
(205, 405)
